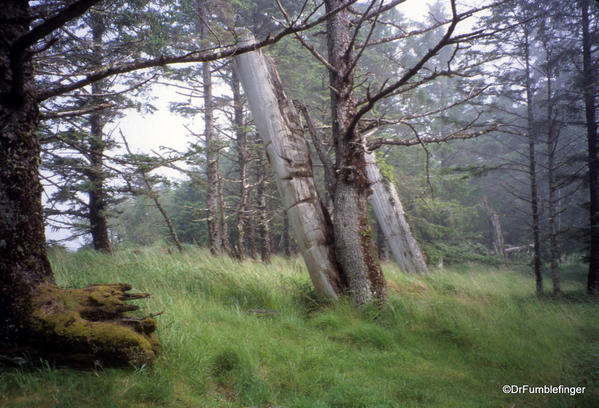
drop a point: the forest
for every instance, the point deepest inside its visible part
(346, 203)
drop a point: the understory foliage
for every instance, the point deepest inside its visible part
(239, 334)
(449, 223)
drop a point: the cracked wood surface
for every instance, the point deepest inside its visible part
(281, 129)
(391, 218)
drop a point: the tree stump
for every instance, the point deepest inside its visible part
(89, 327)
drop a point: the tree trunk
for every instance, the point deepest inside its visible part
(36, 316)
(281, 130)
(551, 185)
(354, 246)
(496, 232)
(532, 172)
(214, 231)
(391, 219)
(285, 238)
(381, 244)
(97, 193)
(23, 261)
(252, 248)
(242, 162)
(224, 228)
(261, 175)
(593, 157)
(154, 196)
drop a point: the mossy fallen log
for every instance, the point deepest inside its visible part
(90, 326)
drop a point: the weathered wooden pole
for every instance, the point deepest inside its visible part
(496, 232)
(391, 218)
(282, 131)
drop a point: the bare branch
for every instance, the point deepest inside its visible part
(378, 122)
(19, 47)
(329, 171)
(76, 112)
(53, 23)
(194, 56)
(461, 17)
(427, 156)
(372, 100)
(370, 32)
(305, 43)
(360, 21)
(387, 7)
(457, 135)
(153, 195)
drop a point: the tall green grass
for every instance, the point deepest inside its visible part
(244, 334)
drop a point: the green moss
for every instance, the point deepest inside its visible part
(91, 322)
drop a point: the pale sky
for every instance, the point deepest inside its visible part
(149, 132)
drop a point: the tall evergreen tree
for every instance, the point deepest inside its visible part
(78, 147)
(589, 79)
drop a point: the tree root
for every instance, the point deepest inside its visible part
(89, 326)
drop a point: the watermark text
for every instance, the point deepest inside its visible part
(542, 389)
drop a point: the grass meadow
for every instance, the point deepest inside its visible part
(244, 334)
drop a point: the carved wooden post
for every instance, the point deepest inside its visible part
(391, 218)
(495, 229)
(281, 129)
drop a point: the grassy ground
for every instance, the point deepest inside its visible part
(248, 335)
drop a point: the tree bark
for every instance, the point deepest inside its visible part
(381, 244)
(242, 162)
(261, 175)
(97, 194)
(532, 172)
(551, 145)
(354, 246)
(391, 219)
(285, 238)
(224, 228)
(23, 261)
(281, 130)
(252, 240)
(593, 143)
(36, 316)
(214, 231)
